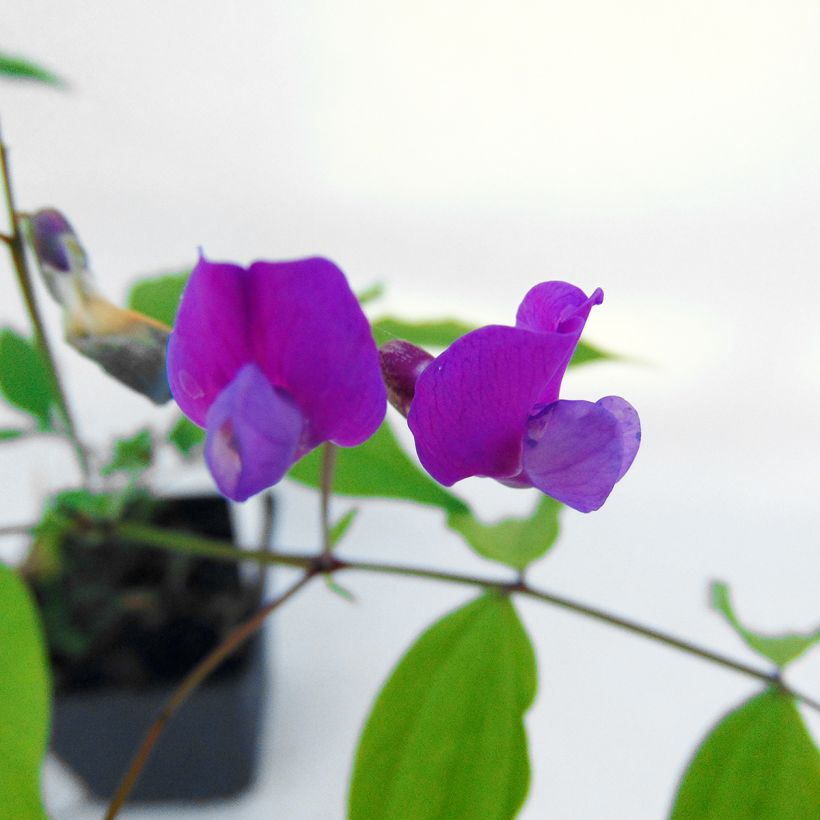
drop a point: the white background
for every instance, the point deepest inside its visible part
(460, 152)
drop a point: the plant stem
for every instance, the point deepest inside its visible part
(198, 674)
(18, 258)
(328, 564)
(325, 490)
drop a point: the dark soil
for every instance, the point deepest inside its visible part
(122, 615)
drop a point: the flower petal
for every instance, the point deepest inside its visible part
(210, 341)
(556, 307)
(627, 417)
(253, 435)
(573, 451)
(472, 403)
(311, 338)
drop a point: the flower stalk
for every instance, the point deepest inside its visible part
(18, 258)
(325, 563)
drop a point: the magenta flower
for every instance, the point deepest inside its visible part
(273, 360)
(489, 406)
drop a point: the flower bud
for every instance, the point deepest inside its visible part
(58, 252)
(402, 363)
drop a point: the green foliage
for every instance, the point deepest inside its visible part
(24, 379)
(586, 353)
(186, 436)
(158, 296)
(780, 649)
(9, 434)
(21, 69)
(131, 455)
(340, 528)
(379, 468)
(446, 736)
(437, 333)
(370, 294)
(758, 763)
(24, 701)
(516, 542)
(442, 333)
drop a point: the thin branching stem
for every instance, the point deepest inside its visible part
(18, 258)
(194, 678)
(223, 550)
(325, 492)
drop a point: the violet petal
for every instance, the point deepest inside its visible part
(253, 435)
(472, 402)
(573, 452)
(556, 307)
(311, 338)
(210, 340)
(627, 417)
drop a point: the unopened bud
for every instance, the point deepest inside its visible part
(402, 363)
(58, 251)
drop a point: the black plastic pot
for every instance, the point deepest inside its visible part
(209, 749)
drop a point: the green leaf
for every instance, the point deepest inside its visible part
(24, 700)
(446, 736)
(186, 436)
(340, 528)
(8, 434)
(22, 69)
(379, 468)
(758, 763)
(586, 353)
(516, 542)
(780, 649)
(158, 297)
(338, 589)
(370, 294)
(24, 379)
(131, 455)
(438, 333)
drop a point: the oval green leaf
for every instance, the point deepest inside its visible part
(158, 296)
(24, 379)
(446, 735)
(379, 468)
(24, 700)
(758, 763)
(516, 542)
(780, 649)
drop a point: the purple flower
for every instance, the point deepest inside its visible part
(488, 406)
(273, 360)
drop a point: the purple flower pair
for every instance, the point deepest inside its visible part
(275, 359)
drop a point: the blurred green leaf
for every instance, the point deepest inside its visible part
(780, 649)
(340, 528)
(131, 455)
(379, 468)
(586, 353)
(24, 379)
(370, 294)
(186, 436)
(8, 434)
(158, 296)
(338, 589)
(21, 69)
(438, 333)
(758, 763)
(446, 736)
(441, 333)
(516, 542)
(25, 692)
